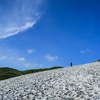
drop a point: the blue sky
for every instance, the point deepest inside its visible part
(47, 33)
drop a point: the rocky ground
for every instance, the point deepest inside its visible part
(74, 83)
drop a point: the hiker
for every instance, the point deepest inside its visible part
(71, 64)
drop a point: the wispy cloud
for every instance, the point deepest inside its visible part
(51, 58)
(31, 51)
(82, 51)
(85, 51)
(21, 59)
(28, 65)
(20, 16)
(3, 58)
(31, 65)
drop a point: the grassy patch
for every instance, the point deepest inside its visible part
(6, 72)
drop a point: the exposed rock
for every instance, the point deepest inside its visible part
(74, 83)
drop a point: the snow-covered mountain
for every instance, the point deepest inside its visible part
(80, 82)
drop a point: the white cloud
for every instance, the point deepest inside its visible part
(3, 58)
(30, 65)
(40, 65)
(30, 51)
(11, 59)
(51, 58)
(82, 51)
(20, 16)
(21, 59)
(85, 51)
(88, 50)
(37, 65)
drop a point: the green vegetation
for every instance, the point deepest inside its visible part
(6, 72)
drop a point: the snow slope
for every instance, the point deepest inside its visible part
(74, 83)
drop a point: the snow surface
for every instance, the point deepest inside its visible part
(74, 83)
